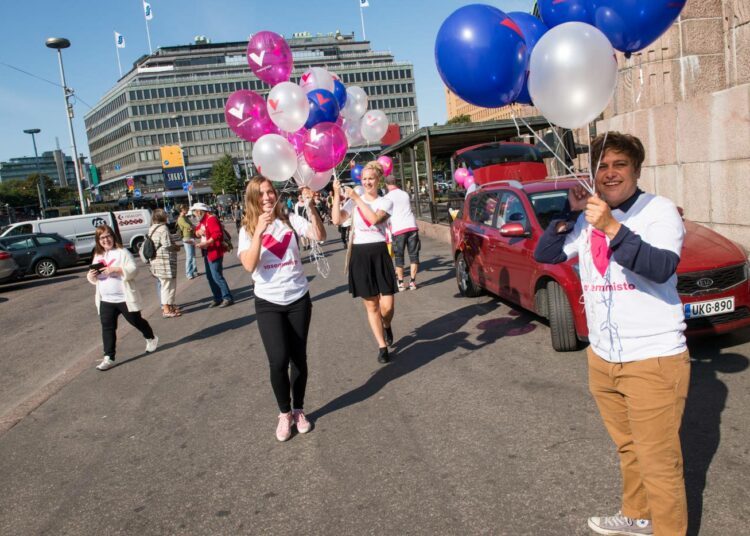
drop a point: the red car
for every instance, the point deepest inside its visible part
(493, 240)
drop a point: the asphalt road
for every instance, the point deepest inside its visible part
(477, 427)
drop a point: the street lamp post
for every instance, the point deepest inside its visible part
(58, 43)
(182, 153)
(40, 182)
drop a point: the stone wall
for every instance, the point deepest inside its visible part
(688, 98)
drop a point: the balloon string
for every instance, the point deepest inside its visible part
(593, 172)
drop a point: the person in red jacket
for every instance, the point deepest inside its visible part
(210, 232)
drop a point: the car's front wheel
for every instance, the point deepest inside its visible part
(137, 243)
(561, 322)
(45, 268)
(466, 286)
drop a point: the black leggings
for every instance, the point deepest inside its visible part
(283, 329)
(108, 313)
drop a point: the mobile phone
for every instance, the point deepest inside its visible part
(97, 266)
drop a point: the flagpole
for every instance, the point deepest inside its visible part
(117, 50)
(362, 18)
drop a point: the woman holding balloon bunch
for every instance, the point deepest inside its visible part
(268, 250)
(371, 273)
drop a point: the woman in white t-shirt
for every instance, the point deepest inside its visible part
(371, 273)
(268, 250)
(113, 271)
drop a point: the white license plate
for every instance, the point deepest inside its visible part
(709, 308)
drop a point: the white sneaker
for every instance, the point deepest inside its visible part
(151, 344)
(621, 525)
(107, 363)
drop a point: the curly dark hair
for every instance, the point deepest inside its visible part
(622, 143)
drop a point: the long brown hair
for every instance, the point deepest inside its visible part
(98, 249)
(253, 209)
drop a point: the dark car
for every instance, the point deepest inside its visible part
(9, 270)
(495, 236)
(40, 253)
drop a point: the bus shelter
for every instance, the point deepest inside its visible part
(423, 163)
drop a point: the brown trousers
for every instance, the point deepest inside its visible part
(642, 403)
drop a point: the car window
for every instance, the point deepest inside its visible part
(19, 244)
(43, 240)
(511, 210)
(21, 229)
(549, 206)
(482, 208)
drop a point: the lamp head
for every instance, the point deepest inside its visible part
(57, 43)
(32, 131)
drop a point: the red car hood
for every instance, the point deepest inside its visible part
(704, 249)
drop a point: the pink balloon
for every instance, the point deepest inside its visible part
(468, 181)
(387, 164)
(246, 114)
(340, 121)
(325, 146)
(297, 139)
(269, 57)
(460, 176)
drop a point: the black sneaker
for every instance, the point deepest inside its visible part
(226, 303)
(214, 303)
(388, 336)
(383, 355)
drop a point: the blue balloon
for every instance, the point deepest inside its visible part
(556, 12)
(324, 108)
(339, 91)
(632, 25)
(533, 29)
(481, 55)
(357, 173)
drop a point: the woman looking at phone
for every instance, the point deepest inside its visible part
(269, 251)
(371, 273)
(112, 272)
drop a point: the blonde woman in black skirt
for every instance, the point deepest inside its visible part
(371, 273)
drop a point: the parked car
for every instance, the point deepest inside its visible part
(493, 241)
(41, 253)
(9, 270)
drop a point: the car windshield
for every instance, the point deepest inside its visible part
(494, 154)
(549, 206)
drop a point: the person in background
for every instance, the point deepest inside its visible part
(113, 272)
(268, 251)
(210, 232)
(237, 214)
(405, 233)
(371, 275)
(164, 265)
(300, 209)
(628, 243)
(187, 232)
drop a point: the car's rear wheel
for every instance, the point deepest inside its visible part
(45, 268)
(137, 243)
(466, 286)
(561, 322)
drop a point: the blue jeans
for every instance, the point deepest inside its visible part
(190, 267)
(215, 276)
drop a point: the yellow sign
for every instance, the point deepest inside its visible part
(171, 156)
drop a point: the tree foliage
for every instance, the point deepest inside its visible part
(223, 177)
(20, 193)
(458, 120)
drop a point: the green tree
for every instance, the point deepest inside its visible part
(458, 120)
(223, 178)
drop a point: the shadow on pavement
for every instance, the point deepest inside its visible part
(36, 282)
(425, 344)
(701, 425)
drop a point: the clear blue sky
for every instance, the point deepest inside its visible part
(405, 27)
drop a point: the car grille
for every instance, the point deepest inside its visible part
(721, 279)
(710, 321)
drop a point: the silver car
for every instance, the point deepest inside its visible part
(9, 270)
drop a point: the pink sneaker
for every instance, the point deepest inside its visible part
(303, 425)
(284, 428)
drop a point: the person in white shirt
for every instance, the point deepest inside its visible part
(112, 271)
(405, 233)
(628, 243)
(371, 275)
(269, 251)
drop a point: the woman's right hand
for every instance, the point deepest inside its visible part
(336, 187)
(264, 220)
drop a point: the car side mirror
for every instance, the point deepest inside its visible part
(513, 229)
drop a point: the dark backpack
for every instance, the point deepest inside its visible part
(148, 249)
(226, 240)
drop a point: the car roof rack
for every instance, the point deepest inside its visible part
(509, 182)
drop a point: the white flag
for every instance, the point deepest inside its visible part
(147, 11)
(119, 40)
(364, 3)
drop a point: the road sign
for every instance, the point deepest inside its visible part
(187, 186)
(137, 193)
(130, 181)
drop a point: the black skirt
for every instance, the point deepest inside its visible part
(371, 271)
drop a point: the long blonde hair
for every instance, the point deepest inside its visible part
(253, 208)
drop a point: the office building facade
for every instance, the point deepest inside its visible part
(54, 164)
(185, 88)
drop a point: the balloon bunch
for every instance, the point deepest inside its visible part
(564, 64)
(304, 130)
(463, 177)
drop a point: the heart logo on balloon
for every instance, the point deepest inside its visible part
(258, 59)
(321, 99)
(509, 23)
(371, 119)
(237, 111)
(315, 136)
(306, 76)
(273, 103)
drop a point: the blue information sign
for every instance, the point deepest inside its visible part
(137, 192)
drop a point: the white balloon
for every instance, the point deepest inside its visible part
(316, 78)
(288, 106)
(356, 103)
(352, 130)
(572, 74)
(374, 125)
(307, 176)
(274, 157)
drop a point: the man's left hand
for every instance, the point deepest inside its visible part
(599, 216)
